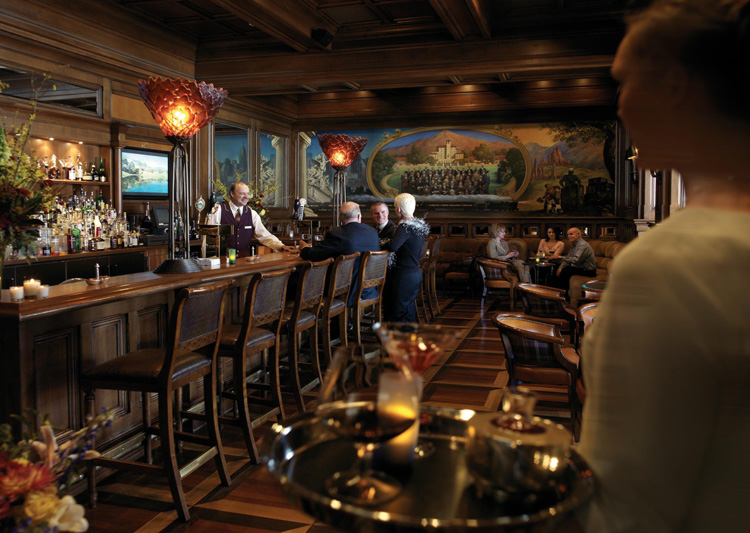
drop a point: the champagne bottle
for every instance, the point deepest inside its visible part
(102, 171)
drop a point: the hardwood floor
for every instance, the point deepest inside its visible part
(470, 374)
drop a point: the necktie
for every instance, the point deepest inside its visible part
(238, 216)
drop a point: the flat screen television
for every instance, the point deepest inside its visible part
(145, 174)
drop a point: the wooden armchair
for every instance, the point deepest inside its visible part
(548, 304)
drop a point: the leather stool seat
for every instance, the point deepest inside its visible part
(259, 338)
(143, 367)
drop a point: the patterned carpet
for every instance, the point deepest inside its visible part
(469, 375)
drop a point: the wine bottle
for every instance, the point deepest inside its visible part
(102, 171)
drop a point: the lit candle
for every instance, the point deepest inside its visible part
(16, 293)
(399, 395)
(43, 291)
(31, 287)
(232, 255)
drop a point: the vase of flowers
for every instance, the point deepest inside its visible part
(35, 471)
(24, 191)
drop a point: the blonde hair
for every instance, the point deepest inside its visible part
(406, 203)
(496, 229)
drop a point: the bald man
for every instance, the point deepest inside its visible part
(352, 236)
(580, 260)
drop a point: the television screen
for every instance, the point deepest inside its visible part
(145, 173)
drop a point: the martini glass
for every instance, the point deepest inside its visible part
(418, 346)
(369, 402)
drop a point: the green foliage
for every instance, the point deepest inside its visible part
(416, 156)
(382, 165)
(483, 153)
(24, 188)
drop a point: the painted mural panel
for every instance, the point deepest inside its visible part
(272, 168)
(558, 169)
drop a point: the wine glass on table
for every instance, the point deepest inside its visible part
(418, 346)
(370, 401)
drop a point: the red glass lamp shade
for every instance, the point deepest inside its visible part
(181, 107)
(341, 149)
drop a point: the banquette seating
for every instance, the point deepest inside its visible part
(456, 267)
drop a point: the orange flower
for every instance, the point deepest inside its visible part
(18, 479)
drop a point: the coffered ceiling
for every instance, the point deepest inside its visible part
(339, 59)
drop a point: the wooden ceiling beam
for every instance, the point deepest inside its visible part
(290, 24)
(463, 18)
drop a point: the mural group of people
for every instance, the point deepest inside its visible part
(446, 181)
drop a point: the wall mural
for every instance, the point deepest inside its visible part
(530, 169)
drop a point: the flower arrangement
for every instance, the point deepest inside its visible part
(24, 188)
(32, 473)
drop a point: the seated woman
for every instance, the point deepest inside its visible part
(497, 248)
(551, 247)
(404, 275)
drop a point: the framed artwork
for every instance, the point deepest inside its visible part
(145, 174)
(559, 169)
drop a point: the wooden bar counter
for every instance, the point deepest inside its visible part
(46, 343)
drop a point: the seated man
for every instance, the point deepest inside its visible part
(386, 228)
(580, 260)
(352, 236)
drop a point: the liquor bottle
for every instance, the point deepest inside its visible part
(146, 224)
(100, 202)
(71, 241)
(79, 168)
(45, 232)
(102, 171)
(94, 173)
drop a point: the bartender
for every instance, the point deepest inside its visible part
(246, 222)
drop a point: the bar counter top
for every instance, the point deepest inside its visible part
(78, 295)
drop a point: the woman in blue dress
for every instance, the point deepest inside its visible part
(404, 275)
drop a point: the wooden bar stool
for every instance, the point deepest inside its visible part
(302, 316)
(372, 272)
(254, 348)
(338, 285)
(432, 271)
(194, 331)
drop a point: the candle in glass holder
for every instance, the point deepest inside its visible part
(43, 291)
(16, 293)
(399, 395)
(232, 255)
(31, 287)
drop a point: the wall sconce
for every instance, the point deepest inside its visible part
(181, 108)
(340, 150)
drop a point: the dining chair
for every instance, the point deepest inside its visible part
(548, 304)
(536, 353)
(195, 328)
(496, 275)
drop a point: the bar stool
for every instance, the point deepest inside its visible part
(338, 284)
(303, 316)
(260, 331)
(372, 272)
(194, 331)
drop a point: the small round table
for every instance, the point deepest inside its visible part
(542, 270)
(594, 288)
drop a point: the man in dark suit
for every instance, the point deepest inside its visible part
(352, 236)
(386, 228)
